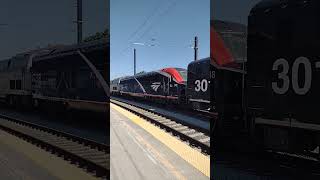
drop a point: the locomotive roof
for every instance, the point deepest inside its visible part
(199, 61)
(151, 73)
(72, 49)
(115, 81)
(268, 4)
(228, 26)
(60, 50)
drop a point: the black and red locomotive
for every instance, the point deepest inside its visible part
(271, 98)
(165, 85)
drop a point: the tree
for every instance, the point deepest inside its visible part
(99, 35)
(142, 72)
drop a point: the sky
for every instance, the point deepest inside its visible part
(169, 25)
(37, 23)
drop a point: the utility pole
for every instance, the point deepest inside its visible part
(134, 60)
(195, 47)
(79, 20)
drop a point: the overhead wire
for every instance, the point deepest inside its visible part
(148, 18)
(172, 5)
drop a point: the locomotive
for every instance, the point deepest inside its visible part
(218, 80)
(198, 84)
(227, 71)
(165, 85)
(272, 101)
(282, 74)
(72, 76)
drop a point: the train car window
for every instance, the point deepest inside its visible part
(18, 84)
(12, 84)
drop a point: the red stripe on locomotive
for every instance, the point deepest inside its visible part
(219, 52)
(174, 73)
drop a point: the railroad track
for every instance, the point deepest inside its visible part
(89, 155)
(201, 114)
(193, 136)
(203, 124)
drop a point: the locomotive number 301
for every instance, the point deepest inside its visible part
(284, 77)
(201, 85)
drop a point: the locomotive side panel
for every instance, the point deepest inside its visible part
(283, 66)
(68, 78)
(198, 86)
(72, 76)
(154, 84)
(283, 74)
(130, 86)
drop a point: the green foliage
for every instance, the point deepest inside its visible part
(142, 72)
(99, 35)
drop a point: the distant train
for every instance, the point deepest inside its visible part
(114, 86)
(165, 85)
(71, 76)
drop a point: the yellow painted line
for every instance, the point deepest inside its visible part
(192, 156)
(54, 165)
(159, 156)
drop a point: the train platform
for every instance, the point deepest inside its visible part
(140, 150)
(22, 160)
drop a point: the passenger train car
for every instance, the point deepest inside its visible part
(114, 86)
(165, 85)
(14, 79)
(73, 76)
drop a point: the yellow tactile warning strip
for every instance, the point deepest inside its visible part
(53, 164)
(192, 156)
(160, 157)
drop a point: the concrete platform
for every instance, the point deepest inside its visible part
(136, 154)
(22, 160)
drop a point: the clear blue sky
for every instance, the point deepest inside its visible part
(168, 24)
(33, 23)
